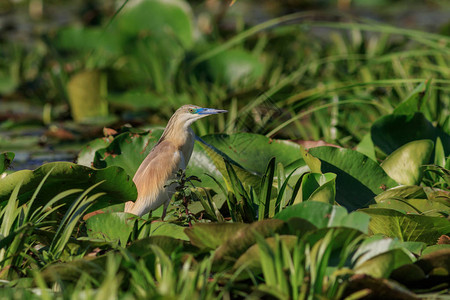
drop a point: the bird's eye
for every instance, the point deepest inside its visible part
(191, 110)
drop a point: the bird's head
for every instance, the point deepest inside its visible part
(187, 114)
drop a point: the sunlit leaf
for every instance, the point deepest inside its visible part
(404, 165)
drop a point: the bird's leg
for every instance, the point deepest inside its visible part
(166, 204)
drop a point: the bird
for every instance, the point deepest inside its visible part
(170, 154)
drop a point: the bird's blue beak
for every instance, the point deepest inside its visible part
(210, 111)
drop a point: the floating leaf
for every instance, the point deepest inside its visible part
(168, 229)
(253, 151)
(211, 236)
(359, 178)
(405, 227)
(383, 264)
(117, 186)
(318, 187)
(393, 131)
(405, 164)
(127, 150)
(111, 227)
(324, 215)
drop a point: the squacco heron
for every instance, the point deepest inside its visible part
(171, 153)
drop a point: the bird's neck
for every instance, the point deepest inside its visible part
(178, 134)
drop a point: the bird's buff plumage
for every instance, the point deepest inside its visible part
(171, 153)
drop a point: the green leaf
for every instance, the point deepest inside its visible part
(212, 235)
(161, 20)
(402, 192)
(111, 227)
(235, 68)
(319, 187)
(415, 228)
(366, 147)
(6, 159)
(87, 96)
(117, 186)
(393, 131)
(87, 153)
(127, 150)
(313, 163)
(253, 151)
(252, 256)
(381, 266)
(169, 230)
(219, 158)
(404, 165)
(325, 215)
(245, 237)
(413, 103)
(359, 178)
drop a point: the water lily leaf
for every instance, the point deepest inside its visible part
(415, 206)
(168, 229)
(113, 227)
(405, 227)
(313, 163)
(73, 270)
(364, 285)
(117, 186)
(6, 159)
(318, 187)
(87, 153)
(247, 177)
(212, 235)
(358, 179)
(238, 243)
(253, 151)
(434, 248)
(366, 147)
(324, 215)
(251, 257)
(383, 264)
(376, 245)
(402, 192)
(393, 131)
(168, 244)
(127, 150)
(87, 95)
(430, 273)
(404, 165)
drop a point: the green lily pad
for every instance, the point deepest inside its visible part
(359, 178)
(113, 227)
(253, 151)
(390, 132)
(415, 228)
(168, 229)
(127, 150)
(212, 235)
(324, 215)
(382, 265)
(404, 165)
(117, 186)
(318, 187)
